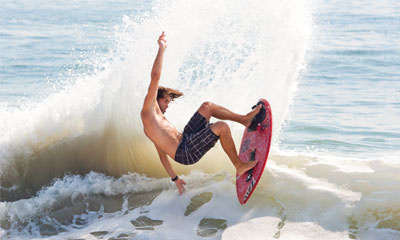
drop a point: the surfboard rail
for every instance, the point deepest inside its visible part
(255, 145)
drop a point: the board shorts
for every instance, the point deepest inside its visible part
(197, 139)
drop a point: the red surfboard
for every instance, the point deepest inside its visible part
(255, 145)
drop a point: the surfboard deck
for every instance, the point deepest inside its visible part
(255, 145)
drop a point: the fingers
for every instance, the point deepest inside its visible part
(181, 189)
(162, 36)
(162, 43)
(180, 186)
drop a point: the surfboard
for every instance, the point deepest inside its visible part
(256, 142)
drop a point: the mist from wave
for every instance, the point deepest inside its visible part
(214, 49)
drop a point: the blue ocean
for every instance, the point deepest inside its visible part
(74, 160)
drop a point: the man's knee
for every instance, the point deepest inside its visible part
(205, 106)
(220, 127)
(205, 109)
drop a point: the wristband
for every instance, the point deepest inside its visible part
(175, 178)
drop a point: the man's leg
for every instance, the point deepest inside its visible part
(208, 110)
(222, 130)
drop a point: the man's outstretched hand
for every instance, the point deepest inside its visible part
(162, 43)
(179, 184)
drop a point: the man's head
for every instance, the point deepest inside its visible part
(165, 96)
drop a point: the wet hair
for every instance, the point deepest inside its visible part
(163, 91)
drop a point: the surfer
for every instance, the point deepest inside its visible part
(198, 136)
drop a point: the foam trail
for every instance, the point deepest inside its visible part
(295, 198)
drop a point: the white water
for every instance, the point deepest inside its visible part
(299, 196)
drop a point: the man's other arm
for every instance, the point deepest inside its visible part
(167, 165)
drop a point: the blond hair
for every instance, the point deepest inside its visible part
(173, 93)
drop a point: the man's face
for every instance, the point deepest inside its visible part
(163, 103)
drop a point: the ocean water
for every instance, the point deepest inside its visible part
(75, 163)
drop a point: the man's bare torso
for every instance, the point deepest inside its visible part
(160, 131)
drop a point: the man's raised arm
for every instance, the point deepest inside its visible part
(155, 73)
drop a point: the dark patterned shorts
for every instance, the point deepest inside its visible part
(197, 139)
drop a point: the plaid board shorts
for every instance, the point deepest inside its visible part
(197, 139)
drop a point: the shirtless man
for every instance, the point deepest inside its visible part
(199, 135)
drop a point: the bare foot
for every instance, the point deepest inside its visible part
(244, 167)
(248, 117)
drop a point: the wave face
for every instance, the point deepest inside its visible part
(231, 53)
